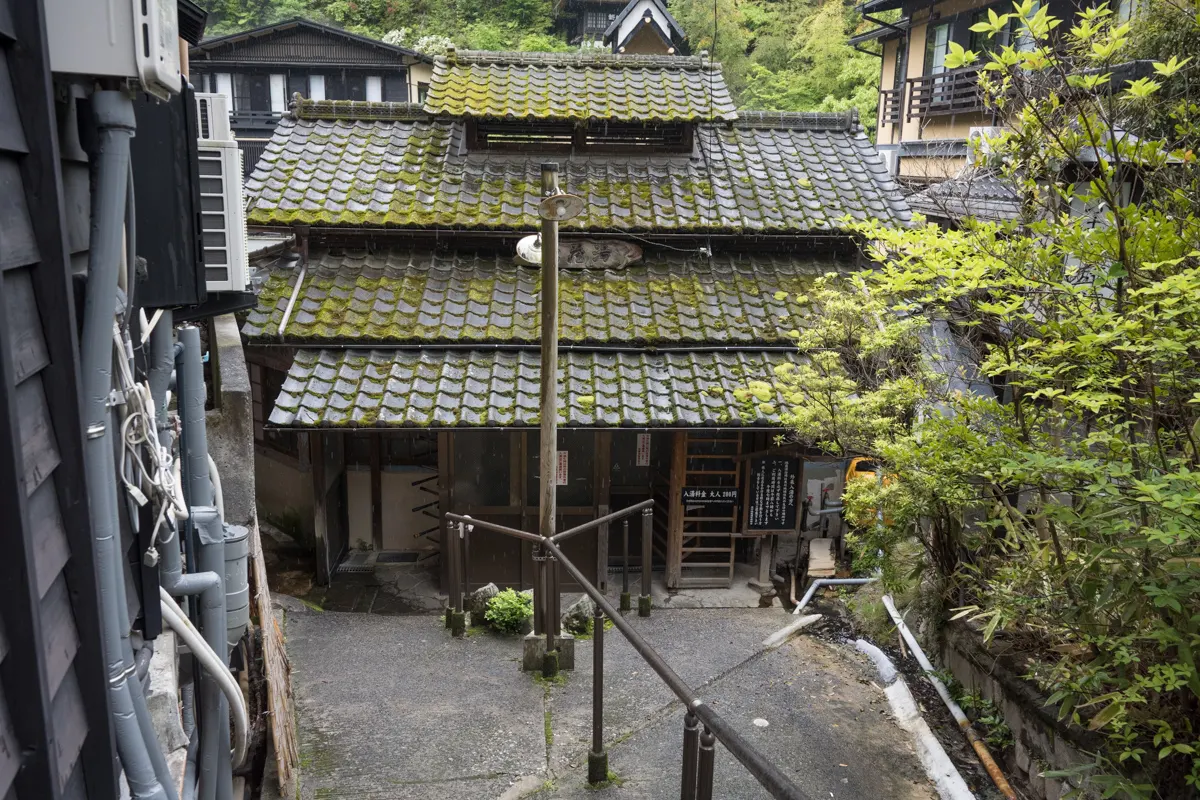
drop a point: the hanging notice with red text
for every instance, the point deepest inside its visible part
(643, 450)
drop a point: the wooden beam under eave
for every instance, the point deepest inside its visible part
(675, 509)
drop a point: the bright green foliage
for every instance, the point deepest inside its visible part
(508, 611)
(1033, 392)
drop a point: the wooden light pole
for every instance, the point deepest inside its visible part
(554, 208)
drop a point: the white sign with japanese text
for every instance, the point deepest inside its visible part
(643, 450)
(560, 470)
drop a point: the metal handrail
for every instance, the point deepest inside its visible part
(698, 753)
(596, 523)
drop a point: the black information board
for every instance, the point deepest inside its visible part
(709, 495)
(773, 487)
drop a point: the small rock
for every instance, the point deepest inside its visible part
(578, 615)
(476, 602)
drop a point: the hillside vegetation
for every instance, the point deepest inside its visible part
(782, 55)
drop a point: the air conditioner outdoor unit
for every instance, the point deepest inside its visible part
(981, 133)
(223, 216)
(131, 39)
(891, 160)
(212, 117)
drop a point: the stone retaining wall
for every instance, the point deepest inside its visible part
(1042, 742)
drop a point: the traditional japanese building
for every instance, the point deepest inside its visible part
(260, 70)
(394, 353)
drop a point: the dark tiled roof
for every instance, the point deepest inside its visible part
(411, 297)
(973, 193)
(578, 86)
(429, 388)
(782, 173)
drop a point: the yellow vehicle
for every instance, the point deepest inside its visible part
(858, 469)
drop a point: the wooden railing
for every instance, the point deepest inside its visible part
(951, 92)
(891, 103)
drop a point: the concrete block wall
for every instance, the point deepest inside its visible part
(1042, 743)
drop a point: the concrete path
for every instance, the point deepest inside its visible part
(392, 707)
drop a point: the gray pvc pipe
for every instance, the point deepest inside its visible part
(162, 362)
(214, 709)
(115, 122)
(216, 771)
(818, 583)
(189, 769)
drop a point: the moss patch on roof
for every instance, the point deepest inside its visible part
(449, 389)
(419, 297)
(785, 178)
(578, 86)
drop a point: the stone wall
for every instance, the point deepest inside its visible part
(230, 426)
(1042, 743)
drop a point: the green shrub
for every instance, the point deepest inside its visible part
(507, 611)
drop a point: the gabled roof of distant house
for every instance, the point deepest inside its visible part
(578, 86)
(977, 193)
(378, 164)
(237, 46)
(672, 36)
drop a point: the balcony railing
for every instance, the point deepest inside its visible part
(891, 102)
(951, 92)
(254, 123)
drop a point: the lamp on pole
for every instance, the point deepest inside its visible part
(556, 206)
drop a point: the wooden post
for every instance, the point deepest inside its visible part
(603, 484)
(376, 493)
(549, 405)
(320, 510)
(675, 509)
(445, 481)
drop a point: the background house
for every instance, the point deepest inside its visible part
(395, 352)
(262, 69)
(926, 111)
(646, 27)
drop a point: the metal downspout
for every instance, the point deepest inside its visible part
(115, 123)
(216, 771)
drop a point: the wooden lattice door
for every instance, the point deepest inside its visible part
(701, 537)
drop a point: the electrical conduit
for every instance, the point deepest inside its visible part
(211, 661)
(115, 123)
(216, 774)
(981, 750)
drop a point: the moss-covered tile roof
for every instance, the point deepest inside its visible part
(578, 86)
(410, 297)
(498, 388)
(766, 173)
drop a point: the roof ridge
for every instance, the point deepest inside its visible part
(799, 120)
(369, 110)
(576, 58)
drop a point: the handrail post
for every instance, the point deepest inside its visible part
(704, 772)
(691, 752)
(626, 604)
(598, 756)
(466, 563)
(647, 555)
(456, 619)
(451, 556)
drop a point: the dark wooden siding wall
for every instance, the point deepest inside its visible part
(298, 46)
(54, 725)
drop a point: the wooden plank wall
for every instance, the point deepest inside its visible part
(53, 699)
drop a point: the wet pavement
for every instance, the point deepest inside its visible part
(390, 706)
